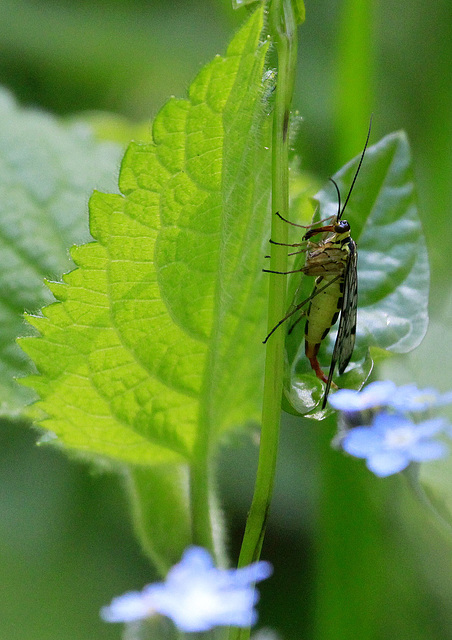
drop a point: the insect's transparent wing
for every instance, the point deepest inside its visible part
(345, 340)
(345, 343)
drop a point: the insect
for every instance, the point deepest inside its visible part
(333, 260)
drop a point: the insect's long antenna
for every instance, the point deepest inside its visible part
(357, 171)
(338, 199)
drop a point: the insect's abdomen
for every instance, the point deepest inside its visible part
(322, 313)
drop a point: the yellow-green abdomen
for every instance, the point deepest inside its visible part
(323, 311)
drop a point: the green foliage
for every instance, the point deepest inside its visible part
(298, 7)
(152, 342)
(432, 484)
(46, 170)
(393, 272)
(159, 504)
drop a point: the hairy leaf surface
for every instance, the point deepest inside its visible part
(153, 341)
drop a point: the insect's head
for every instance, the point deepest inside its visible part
(342, 226)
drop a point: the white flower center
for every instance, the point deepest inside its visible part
(400, 438)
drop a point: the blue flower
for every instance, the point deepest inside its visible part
(393, 441)
(386, 394)
(410, 398)
(195, 595)
(376, 394)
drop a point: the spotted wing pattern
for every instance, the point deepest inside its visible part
(345, 340)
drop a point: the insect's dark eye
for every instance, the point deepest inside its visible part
(342, 226)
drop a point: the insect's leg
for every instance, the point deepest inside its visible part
(315, 293)
(283, 273)
(294, 224)
(309, 226)
(312, 231)
(292, 326)
(303, 226)
(311, 354)
(285, 244)
(311, 351)
(293, 253)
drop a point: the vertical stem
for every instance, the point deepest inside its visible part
(200, 501)
(283, 30)
(284, 34)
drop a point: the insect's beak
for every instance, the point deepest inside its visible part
(313, 232)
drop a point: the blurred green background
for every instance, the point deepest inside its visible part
(354, 556)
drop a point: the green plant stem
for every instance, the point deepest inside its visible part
(283, 27)
(200, 500)
(200, 482)
(284, 34)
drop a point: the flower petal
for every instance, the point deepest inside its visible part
(409, 398)
(196, 595)
(387, 463)
(362, 442)
(253, 573)
(429, 428)
(131, 606)
(384, 422)
(374, 395)
(425, 450)
(195, 560)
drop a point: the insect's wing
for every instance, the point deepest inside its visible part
(346, 333)
(345, 342)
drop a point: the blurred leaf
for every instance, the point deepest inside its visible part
(393, 271)
(159, 502)
(432, 484)
(153, 340)
(300, 11)
(354, 73)
(46, 170)
(130, 56)
(238, 4)
(113, 127)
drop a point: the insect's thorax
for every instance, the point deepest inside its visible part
(329, 256)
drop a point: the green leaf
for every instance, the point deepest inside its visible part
(298, 6)
(431, 484)
(238, 4)
(153, 343)
(393, 266)
(113, 127)
(159, 502)
(46, 170)
(300, 11)
(393, 272)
